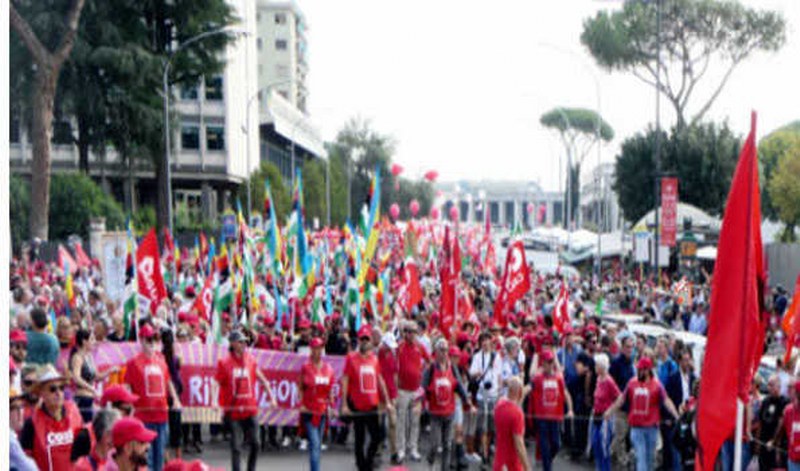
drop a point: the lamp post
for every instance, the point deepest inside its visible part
(167, 65)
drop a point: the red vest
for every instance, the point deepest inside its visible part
(441, 392)
(237, 392)
(362, 376)
(317, 384)
(148, 377)
(644, 403)
(52, 442)
(548, 397)
(791, 421)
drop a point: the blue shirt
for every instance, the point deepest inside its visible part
(17, 459)
(621, 370)
(665, 369)
(568, 362)
(43, 348)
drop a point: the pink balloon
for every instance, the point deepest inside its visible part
(394, 210)
(431, 175)
(453, 213)
(414, 208)
(530, 208)
(434, 213)
(397, 169)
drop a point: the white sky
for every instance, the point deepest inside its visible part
(461, 84)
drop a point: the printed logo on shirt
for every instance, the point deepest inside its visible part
(241, 383)
(794, 440)
(442, 388)
(59, 438)
(322, 380)
(369, 383)
(153, 382)
(550, 393)
(641, 401)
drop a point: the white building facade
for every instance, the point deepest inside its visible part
(599, 204)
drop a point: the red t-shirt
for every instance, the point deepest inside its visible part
(148, 377)
(409, 372)
(548, 397)
(605, 394)
(441, 392)
(791, 422)
(237, 380)
(52, 441)
(317, 384)
(388, 362)
(508, 421)
(644, 402)
(362, 376)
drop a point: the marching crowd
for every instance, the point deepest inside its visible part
(481, 393)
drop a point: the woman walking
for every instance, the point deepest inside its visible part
(316, 382)
(605, 393)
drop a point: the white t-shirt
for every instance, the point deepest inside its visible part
(481, 362)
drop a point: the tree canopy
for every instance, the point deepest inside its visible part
(770, 149)
(784, 189)
(694, 35)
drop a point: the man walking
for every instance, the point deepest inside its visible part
(412, 360)
(510, 453)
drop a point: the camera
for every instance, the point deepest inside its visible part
(487, 385)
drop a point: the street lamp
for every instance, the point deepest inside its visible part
(167, 65)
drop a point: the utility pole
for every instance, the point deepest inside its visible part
(657, 152)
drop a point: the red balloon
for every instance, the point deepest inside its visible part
(414, 208)
(394, 210)
(431, 175)
(434, 213)
(453, 213)
(397, 169)
(530, 208)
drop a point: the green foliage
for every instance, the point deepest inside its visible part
(314, 191)
(577, 121)
(703, 157)
(144, 218)
(19, 202)
(784, 189)
(770, 149)
(692, 32)
(280, 194)
(74, 200)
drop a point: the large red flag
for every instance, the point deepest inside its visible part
(411, 291)
(516, 281)
(561, 310)
(791, 321)
(148, 270)
(205, 301)
(735, 327)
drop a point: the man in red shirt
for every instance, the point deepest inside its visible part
(49, 433)
(549, 396)
(236, 376)
(409, 379)
(360, 385)
(509, 424)
(148, 376)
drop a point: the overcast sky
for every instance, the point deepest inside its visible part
(461, 85)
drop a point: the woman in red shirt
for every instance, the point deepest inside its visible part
(316, 386)
(645, 395)
(605, 393)
(549, 397)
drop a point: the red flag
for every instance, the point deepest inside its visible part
(488, 220)
(561, 310)
(64, 258)
(412, 293)
(448, 280)
(791, 321)
(205, 301)
(148, 270)
(735, 328)
(81, 257)
(516, 281)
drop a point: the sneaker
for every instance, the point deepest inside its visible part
(323, 447)
(303, 445)
(401, 456)
(286, 442)
(415, 456)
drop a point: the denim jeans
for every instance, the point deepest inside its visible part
(644, 444)
(244, 431)
(440, 435)
(728, 451)
(155, 457)
(549, 441)
(314, 434)
(794, 465)
(602, 434)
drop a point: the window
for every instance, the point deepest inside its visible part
(62, 132)
(190, 137)
(283, 93)
(14, 136)
(282, 70)
(259, 43)
(215, 138)
(214, 88)
(280, 18)
(189, 91)
(281, 44)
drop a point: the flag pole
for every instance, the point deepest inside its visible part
(737, 451)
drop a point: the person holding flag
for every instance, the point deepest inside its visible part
(236, 376)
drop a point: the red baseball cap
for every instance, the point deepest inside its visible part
(130, 429)
(18, 336)
(304, 324)
(365, 331)
(317, 342)
(645, 363)
(118, 393)
(189, 291)
(269, 320)
(548, 355)
(455, 351)
(146, 331)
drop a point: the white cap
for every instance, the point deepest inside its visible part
(389, 340)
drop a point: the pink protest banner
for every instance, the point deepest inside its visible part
(669, 211)
(200, 390)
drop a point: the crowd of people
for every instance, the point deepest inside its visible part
(482, 392)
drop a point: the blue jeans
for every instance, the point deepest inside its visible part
(155, 457)
(794, 465)
(727, 452)
(644, 444)
(602, 434)
(314, 435)
(549, 441)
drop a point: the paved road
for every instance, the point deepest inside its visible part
(337, 458)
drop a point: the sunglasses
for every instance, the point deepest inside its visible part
(151, 340)
(28, 382)
(16, 407)
(56, 388)
(21, 346)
